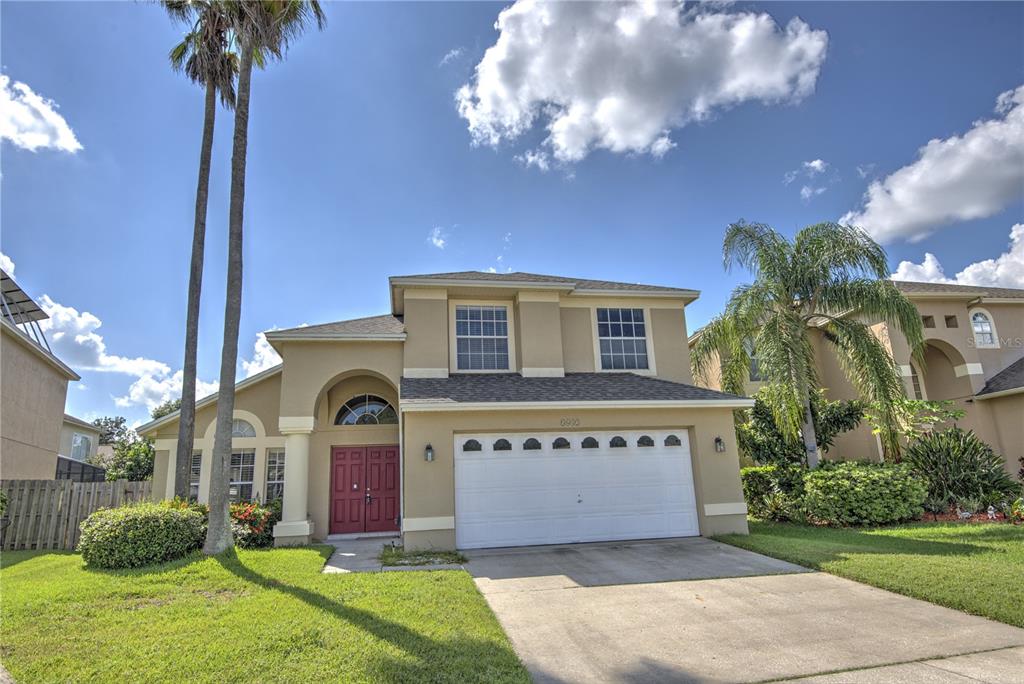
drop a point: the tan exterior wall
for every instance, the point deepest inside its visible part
(32, 396)
(314, 367)
(426, 325)
(430, 487)
(1009, 322)
(1007, 417)
(577, 340)
(670, 346)
(160, 473)
(540, 336)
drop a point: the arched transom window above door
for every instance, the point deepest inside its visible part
(366, 409)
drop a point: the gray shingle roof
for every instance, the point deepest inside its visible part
(1011, 377)
(519, 276)
(512, 387)
(911, 288)
(372, 325)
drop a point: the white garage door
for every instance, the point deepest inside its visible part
(525, 489)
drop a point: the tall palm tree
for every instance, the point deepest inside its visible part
(205, 58)
(831, 278)
(262, 28)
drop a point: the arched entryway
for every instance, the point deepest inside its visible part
(944, 377)
(355, 483)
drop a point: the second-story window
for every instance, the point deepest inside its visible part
(984, 331)
(481, 337)
(622, 335)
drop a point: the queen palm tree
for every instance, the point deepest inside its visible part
(831, 278)
(205, 58)
(263, 28)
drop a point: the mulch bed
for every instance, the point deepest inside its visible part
(952, 516)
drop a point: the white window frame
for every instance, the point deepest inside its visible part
(274, 452)
(652, 366)
(195, 472)
(916, 375)
(453, 351)
(251, 481)
(992, 324)
(237, 421)
(77, 440)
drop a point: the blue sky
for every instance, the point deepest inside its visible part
(358, 152)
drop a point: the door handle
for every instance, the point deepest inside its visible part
(368, 497)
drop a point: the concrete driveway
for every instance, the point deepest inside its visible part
(694, 610)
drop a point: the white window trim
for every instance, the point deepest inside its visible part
(266, 475)
(991, 322)
(510, 314)
(255, 465)
(652, 366)
(80, 437)
(196, 453)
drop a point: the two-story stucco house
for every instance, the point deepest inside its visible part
(484, 410)
(973, 357)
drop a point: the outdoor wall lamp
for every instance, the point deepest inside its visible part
(428, 453)
(719, 445)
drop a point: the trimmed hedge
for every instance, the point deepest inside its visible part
(140, 534)
(863, 494)
(773, 492)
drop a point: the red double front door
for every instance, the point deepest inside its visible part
(364, 489)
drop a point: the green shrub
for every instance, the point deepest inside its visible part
(863, 494)
(957, 465)
(139, 534)
(773, 492)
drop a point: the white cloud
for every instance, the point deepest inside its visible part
(808, 192)
(865, 170)
(263, 357)
(961, 178)
(815, 167)
(809, 169)
(438, 237)
(31, 121)
(622, 76)
(152, 390)
(451, 56)
(1006, 270)
(73, 337)
(7, 264)
(535, 158)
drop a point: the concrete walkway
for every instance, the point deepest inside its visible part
(357, 555)
(619, 613)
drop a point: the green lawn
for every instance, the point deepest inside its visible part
(258, 616)
(975, 568)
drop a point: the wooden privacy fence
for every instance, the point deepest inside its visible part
(45, 514)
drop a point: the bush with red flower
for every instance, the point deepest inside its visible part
(252, 524)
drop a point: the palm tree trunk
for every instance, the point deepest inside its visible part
(218, 535)
(809, 434)
(187, 417)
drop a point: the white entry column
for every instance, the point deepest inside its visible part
(295, 527)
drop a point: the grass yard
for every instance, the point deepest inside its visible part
(247, 616)
(976, 568)
(396, 555)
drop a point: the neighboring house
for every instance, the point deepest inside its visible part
(79, 445)
(973, 356)
(484, 410)
(33, 389)
(79, 440)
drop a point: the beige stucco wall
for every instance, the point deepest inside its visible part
(540, 334)
(426, 326)
(430, 487)
(32, 396)
(313, 367)
(670, 347)
(1007, 417)
(577, 339)
(1009, 322)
